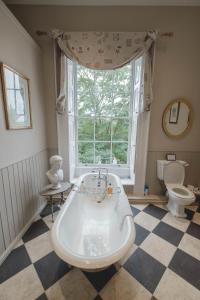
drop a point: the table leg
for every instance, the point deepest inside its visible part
(51, 199)
(62, 198)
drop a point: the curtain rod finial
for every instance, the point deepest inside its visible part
(41, 33)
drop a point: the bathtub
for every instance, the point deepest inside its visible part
(91, 231)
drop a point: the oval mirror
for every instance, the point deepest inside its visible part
(177, 118)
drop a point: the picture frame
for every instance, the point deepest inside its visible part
(16, 99)
(171, 156)
(174, 113)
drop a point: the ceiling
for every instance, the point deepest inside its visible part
(107, 2)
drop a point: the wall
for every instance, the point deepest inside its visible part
(23, 154)
(176, 69)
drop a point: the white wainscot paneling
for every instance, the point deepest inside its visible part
(20, 185)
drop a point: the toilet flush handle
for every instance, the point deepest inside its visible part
(184, 163)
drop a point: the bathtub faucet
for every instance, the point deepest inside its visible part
(103, 176)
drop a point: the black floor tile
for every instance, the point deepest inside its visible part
(37, 228)
(50, 269)
(141, 234)
(47, 210)
(135, 211)
(42, 297)
(169, 233)
(144, 268)
(15, 262)
(194, 230)
(99, 279)
(187, 267)
(155, 211)
(189, 214)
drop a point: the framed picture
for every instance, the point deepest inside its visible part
(174, 113)
(16, 97)
(171, 156)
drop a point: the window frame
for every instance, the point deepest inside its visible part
(86, 166)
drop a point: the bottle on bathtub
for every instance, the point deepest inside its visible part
(109, 189)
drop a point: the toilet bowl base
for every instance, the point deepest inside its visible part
(177, 210)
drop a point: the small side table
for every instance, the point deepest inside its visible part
(48, 192)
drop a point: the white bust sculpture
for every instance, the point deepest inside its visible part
(55, 174)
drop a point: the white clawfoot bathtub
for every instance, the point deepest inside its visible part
(94, 230)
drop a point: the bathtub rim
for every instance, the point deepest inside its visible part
(88, 262)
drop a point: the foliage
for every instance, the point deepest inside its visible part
(103, 105)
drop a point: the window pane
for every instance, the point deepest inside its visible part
(85, 91)
(104, 93)
(119, 152)
(86, 153)
(121, 91)
(120, 129)
(121, 106)
(102, 153)
(85, 129)
(103, 129)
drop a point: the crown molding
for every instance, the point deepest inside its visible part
(17, 24)
(107, 2)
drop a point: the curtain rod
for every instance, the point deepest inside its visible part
(164, 34)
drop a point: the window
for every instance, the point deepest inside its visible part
(102, 117)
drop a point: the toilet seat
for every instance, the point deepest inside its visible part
(180, 191)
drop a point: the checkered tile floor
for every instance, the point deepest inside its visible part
(164, 263)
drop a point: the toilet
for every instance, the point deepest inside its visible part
(173, 174)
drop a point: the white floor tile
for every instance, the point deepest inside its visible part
(73, 286)
(158, 248)
(123, 286)
(25, 285)
(146, 221)
(39, 246)
(190, 245)
(178, 223)
(173, 287)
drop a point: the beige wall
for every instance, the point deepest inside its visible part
(23, 153)
(176, 69)
(18, 50)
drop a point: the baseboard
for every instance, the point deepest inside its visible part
(157, 199)
(19, 236)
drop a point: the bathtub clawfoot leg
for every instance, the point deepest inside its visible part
(118, 266)
(70, 266)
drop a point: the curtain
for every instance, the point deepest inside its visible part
(104, 51)
(60, 69)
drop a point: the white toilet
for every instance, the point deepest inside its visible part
(173, 174)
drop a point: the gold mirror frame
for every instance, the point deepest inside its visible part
(190, 119)
(3, 67)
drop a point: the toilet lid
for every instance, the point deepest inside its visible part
(174, 172)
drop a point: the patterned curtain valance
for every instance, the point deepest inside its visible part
(103, 50)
